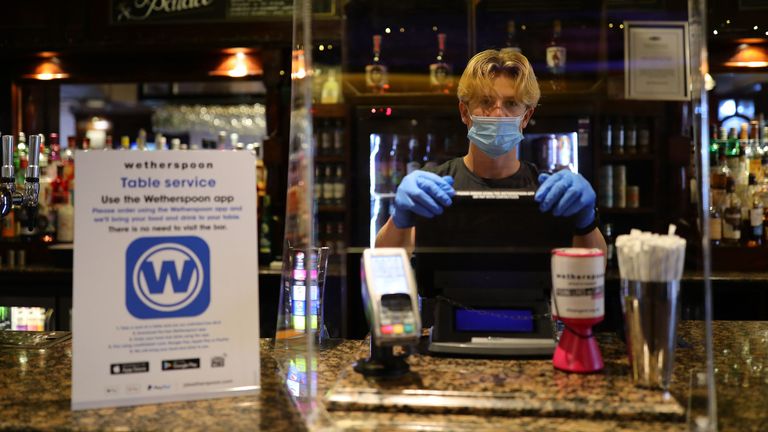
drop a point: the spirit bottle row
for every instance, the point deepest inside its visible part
(330, 186)
(440, 71)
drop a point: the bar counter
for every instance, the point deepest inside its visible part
(35, 393)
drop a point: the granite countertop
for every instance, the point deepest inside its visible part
(35, 392)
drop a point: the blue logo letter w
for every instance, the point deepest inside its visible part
(156, 285)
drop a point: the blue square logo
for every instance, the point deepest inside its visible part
(167, 277)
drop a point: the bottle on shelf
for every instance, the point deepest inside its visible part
(630, 136)
(618, 137)
(326, 139)
(381, 164)
(643, 138)
(54, 157)
(397, 163)
(141, 140)
(339, 190)
(331, 89)
(608, 137)
(556, 58)
(440, 79)
(715, 223)
(512, 44)
(65, 220)
(756, 214)
(376, 79)
(328, 186)
(732, 152)
(754, 154)
(341, 244)
(732, 216)
(338, 138)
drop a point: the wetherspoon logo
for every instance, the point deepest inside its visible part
(167, 277)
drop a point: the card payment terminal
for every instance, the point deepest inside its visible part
(391, 307)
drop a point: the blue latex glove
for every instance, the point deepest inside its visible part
(421, 193)
(567, 194)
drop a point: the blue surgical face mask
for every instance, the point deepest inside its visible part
(495, 136)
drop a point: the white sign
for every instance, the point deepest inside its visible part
(166, 295)
(656, 61)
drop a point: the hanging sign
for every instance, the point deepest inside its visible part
(165, 278)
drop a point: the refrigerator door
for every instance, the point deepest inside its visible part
(394, 141)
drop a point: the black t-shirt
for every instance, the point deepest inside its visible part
(527, 177)
(463, 179)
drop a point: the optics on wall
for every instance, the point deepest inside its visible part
(49, 68)
(239, 62)
(751, 56)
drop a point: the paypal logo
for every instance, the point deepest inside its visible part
(167, 277)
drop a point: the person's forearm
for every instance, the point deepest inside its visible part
(391, 236)
(592, 240)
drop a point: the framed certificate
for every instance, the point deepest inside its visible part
(656, 60)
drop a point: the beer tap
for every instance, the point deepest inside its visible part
(8, 195)
(32, 181)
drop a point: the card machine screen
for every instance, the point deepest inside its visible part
(389, 274)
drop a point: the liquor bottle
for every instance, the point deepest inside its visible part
(8, 226)
(414, 162)
(756, 214)
(754, 154)
(440, 79)
(339, 190)
(65, 220)
(732, 152)
(720, 173)
(396, 164)
(55, 149)
(380, 155)
(376, 78)
(608, 137)
(714, 151)
(125, 142)
(715, 224)
(512, 45)
(764, 147)
(328, 186)
(428, 159)
(141, 140)
(341, 244)
(331, 89)
(338, 138)
(43, 158)
(732, 216)
(644, 138)
(556, 58)
(630, 136)
(618, 137)
(326, 139)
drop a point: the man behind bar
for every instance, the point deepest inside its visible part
(498, 93)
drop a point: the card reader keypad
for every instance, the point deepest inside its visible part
(397, 315)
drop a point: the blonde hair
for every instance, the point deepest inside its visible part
(484, 66)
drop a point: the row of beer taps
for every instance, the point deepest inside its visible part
(10, 197)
